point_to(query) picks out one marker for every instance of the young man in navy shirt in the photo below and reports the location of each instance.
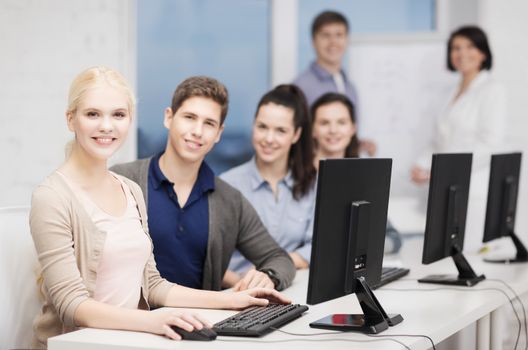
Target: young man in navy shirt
(196, 220)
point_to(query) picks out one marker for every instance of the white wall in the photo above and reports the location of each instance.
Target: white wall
(43, 45)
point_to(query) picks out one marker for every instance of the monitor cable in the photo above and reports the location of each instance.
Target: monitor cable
(388, 336)
(313, 340)
(520, 302)
(405, 335)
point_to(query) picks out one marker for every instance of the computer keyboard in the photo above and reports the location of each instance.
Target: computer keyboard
(389, 274)
(259, 320)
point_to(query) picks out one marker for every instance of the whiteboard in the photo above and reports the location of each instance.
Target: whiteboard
(403, 86)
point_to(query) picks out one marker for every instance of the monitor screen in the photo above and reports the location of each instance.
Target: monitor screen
(446, 216)
(502, 202)
(349, 234)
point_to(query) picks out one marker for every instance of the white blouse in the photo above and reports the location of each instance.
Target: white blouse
(474, 122)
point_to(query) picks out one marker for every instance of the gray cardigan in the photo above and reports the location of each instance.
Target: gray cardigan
(233, 224)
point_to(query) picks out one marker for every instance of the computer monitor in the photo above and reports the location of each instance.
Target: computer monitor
(348, 239)
(446, 217)
(502, 203)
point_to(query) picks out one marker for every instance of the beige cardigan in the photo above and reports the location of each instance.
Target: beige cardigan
(69, 247)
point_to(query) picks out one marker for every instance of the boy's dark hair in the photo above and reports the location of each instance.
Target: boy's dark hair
(478, 38)
(327, 17)
(201, 86)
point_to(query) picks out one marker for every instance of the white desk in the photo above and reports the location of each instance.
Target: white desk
(438, 314)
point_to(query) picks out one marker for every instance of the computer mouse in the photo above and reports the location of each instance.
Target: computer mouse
(204, 334)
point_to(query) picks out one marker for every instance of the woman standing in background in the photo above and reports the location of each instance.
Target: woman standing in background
(472, 121)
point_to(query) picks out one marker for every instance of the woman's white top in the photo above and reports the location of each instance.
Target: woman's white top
(474, 122)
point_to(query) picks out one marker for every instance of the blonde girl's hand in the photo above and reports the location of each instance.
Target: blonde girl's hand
(257, 297)
(160, 322)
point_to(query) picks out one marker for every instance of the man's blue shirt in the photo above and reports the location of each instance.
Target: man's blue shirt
(315, 81)
(179, 234)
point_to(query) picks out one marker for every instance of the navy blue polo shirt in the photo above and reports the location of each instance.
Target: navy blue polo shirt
(179, 234)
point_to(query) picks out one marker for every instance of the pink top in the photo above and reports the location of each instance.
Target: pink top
(125, 253)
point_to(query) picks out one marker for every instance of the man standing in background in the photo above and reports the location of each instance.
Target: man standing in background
(325, 74)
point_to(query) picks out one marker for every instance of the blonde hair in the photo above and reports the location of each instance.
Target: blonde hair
(95, 77)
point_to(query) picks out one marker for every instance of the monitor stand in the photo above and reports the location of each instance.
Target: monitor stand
(520, 257)
(373, 320)
(466, 276)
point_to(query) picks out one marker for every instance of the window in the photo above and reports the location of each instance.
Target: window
(227, 40)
